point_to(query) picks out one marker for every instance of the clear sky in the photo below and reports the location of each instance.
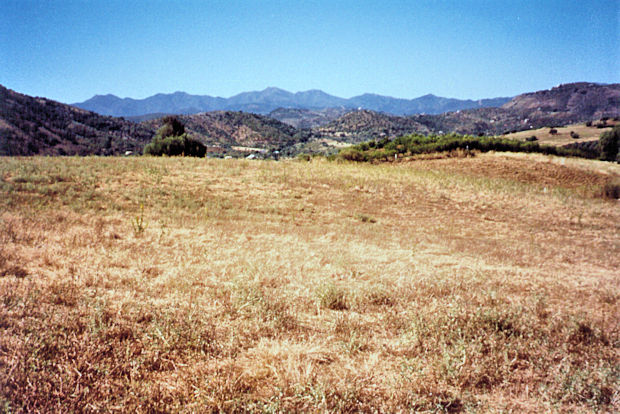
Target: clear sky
(70, 50)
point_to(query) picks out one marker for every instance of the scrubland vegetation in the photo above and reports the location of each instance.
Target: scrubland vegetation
(486, 283)
(426, 144)
(605, 148)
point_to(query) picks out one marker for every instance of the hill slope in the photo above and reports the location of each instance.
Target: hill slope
(30, 126)
(307, 118)
(227, 128)
(587, 100)
(562, 105)
(363, 125)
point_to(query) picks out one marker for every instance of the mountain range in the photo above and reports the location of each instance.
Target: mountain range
(39, 126)
(270, 99)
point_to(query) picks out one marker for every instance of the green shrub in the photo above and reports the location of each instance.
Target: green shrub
(353, 154)
(171, 146)
(609, 143)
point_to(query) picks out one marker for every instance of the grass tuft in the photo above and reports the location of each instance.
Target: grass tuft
(331, 296)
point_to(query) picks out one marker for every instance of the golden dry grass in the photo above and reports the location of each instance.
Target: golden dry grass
(187, 285)
(563, 136)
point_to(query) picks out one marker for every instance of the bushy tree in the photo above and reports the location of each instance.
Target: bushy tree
(172, 127)
(608, 144)
(171, 139)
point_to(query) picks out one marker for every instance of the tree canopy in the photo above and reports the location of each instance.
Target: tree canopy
(171, 139)
(609, 144)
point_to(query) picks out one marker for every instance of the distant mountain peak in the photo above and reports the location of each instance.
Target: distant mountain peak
(272, 90)
(312, 92)
(106, 96)
(368, 94)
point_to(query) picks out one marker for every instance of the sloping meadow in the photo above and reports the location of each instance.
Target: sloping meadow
(173, 284)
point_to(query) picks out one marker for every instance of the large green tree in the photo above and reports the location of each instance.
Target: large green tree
(172, 127)
(171, 139)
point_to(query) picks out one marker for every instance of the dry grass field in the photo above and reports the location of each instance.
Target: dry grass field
(563, 136)
(484, 284)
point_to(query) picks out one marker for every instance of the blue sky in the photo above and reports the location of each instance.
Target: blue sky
(70, 50)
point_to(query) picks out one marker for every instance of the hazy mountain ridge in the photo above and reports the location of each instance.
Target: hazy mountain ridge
(270, 99)
(174, 103)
